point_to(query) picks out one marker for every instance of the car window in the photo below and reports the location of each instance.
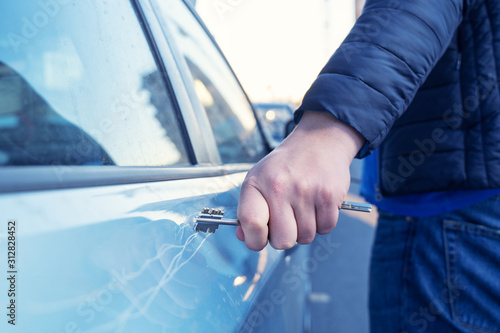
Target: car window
(79, 86)
(227, 107)
(274, 118)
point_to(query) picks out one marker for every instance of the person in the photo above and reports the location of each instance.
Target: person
(414, 89)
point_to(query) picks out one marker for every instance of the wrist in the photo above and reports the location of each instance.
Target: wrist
(324, 128)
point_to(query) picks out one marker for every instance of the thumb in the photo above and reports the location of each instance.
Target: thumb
(253, 213)
(239, 234)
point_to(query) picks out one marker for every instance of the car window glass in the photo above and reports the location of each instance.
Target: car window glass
(79, 86)
(274, 118)
(229, 112)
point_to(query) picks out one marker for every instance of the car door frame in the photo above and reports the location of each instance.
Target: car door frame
(188, 94)
(196, 131)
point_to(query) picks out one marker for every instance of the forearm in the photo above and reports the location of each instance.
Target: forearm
(374, 75)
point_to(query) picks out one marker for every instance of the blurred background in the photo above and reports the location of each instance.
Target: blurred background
(278, 47)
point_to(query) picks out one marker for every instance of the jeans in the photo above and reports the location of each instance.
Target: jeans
(439, 273)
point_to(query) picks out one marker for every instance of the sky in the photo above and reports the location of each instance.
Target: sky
(277, 47)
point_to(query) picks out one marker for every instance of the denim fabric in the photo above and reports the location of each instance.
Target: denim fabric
(439, 273)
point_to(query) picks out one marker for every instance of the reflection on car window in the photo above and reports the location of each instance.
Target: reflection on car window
(79, 86)
(274, 118)
(229, 112)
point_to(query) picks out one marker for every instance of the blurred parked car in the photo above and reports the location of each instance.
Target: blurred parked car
(120, 121)
(274, 118)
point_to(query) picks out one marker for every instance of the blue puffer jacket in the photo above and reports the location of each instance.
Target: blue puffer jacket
(419, 78)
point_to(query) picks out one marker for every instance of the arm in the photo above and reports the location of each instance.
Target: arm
(374, 75)
(295, 192)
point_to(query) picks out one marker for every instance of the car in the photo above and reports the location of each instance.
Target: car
(119, 122)
(275, 119)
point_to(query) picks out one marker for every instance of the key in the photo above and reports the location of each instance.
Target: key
(356, 206)
(210, 219)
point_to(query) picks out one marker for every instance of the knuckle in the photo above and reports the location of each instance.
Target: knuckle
(252, 221)
(325, 230)
(250, 181)
(256, 246)
(325, 227)
(306, 232)
(302, 187)
(251, 224)
(255, 234)
(306, 238)
(277, 184)
(282, 244)
(326, 196)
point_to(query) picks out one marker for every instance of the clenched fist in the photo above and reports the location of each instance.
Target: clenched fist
(296, 191)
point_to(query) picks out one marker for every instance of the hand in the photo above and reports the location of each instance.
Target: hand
(296, 191)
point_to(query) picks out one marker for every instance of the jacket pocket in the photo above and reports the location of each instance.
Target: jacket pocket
(473, 275)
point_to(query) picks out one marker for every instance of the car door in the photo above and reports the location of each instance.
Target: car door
(108, 150)
(280, 304)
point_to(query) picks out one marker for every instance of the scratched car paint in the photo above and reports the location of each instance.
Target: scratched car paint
(105, 239)
(128, 260)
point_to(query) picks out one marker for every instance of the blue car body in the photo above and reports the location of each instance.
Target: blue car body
(102, 180)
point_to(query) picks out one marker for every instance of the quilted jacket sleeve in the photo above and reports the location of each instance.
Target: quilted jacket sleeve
(372, 78)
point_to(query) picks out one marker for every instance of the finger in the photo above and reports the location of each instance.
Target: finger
(282, 226)
(239, 234)
(305, 216)
(327, 215)
(253, 213)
